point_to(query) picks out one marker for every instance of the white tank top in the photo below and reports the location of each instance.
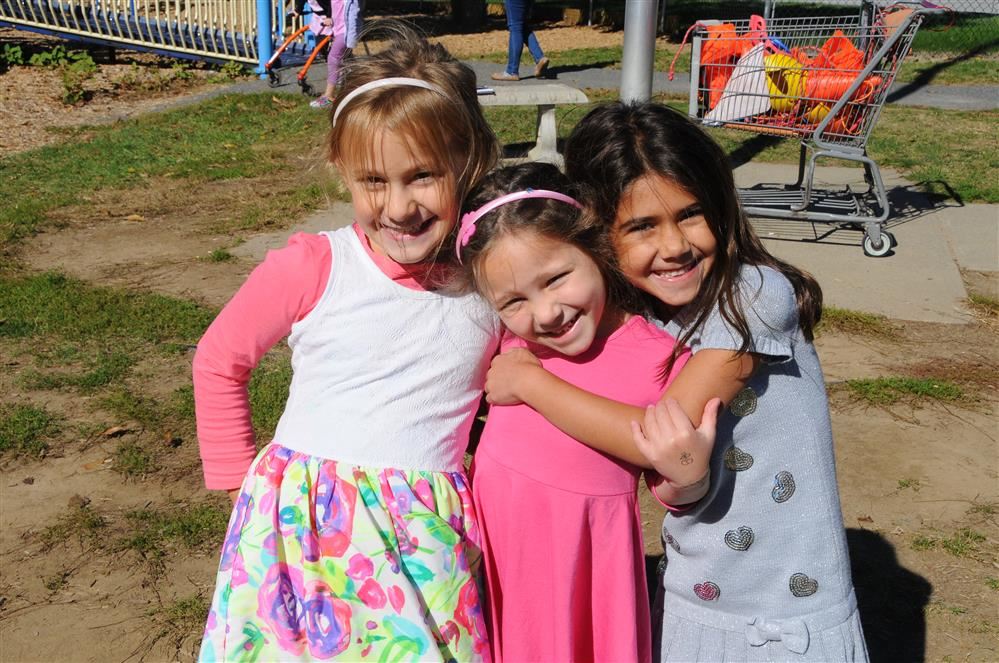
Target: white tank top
(385, 376)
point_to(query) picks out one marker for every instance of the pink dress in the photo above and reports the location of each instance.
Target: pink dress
(562, 537)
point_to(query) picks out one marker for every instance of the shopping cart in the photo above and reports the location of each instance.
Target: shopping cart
(823, 80)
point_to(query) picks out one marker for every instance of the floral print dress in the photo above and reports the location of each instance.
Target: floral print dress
(325, 560)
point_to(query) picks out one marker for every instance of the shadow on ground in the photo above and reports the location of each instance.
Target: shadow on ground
(907, 203)
(892, 599)
(926, 76)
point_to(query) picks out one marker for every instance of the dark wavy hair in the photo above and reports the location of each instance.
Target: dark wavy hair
(546, 217)
(616, 144)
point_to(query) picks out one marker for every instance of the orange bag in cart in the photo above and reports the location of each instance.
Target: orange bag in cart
(720, 50)
(839, 53)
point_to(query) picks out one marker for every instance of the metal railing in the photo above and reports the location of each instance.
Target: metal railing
(214, 30)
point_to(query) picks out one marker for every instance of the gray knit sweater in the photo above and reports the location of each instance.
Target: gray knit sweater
(768, 539)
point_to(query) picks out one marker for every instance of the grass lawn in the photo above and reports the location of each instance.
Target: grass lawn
(257, 137)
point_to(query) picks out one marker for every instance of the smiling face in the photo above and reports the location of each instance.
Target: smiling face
(663, 241)
(546, 292)
(403, 202)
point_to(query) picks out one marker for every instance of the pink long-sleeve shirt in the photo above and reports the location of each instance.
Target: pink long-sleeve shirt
(281, 291)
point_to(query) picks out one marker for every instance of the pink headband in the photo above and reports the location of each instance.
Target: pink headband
(466, 227)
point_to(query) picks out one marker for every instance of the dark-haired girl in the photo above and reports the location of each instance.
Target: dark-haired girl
(562, 537)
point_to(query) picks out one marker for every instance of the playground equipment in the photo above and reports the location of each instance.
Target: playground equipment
(272, 76)
(211, 30)
(822, 80)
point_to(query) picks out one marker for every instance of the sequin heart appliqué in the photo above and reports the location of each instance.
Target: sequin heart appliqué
(783, 487)
(738, 460)
(707, 591)
(801, 585)
(740, 538)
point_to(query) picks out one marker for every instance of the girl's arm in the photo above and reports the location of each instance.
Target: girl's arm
(605, 425)
(280, 291)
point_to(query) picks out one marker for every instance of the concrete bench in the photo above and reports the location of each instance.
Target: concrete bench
(545, 96)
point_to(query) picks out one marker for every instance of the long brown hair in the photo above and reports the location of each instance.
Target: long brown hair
(615, 145)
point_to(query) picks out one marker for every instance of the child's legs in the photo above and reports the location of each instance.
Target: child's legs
(337, 48)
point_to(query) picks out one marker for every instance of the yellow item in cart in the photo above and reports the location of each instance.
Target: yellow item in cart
(785, 81)
(817, 114)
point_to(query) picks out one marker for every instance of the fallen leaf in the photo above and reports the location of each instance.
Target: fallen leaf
(28, 480)
(135, 217)
(865, 519)
(116, 431)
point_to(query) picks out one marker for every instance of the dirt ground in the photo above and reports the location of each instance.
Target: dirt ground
(919, 480)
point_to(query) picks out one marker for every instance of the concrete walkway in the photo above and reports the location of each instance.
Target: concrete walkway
(920, 280)
(950, 97)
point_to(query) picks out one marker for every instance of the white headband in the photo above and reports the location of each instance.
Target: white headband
(384, 82)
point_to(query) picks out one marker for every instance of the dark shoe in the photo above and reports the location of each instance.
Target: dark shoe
(539, 69)
(503, 76)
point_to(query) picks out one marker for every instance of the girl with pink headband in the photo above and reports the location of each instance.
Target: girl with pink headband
(564, 557)
(353, 535)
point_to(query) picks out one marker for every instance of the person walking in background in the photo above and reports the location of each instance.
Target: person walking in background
(340, 19)
(518, 22)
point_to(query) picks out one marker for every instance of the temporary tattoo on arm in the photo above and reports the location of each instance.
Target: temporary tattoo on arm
(686, 458)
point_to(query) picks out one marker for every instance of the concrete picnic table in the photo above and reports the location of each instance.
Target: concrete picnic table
(545, 96)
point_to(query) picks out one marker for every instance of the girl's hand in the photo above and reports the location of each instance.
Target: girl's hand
(326, 22)
(504, 372)
(671, 444)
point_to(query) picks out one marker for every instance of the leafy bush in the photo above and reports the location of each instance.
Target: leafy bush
(11, 55)
(74, 74)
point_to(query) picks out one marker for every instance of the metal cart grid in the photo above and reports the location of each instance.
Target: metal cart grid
(823, 80)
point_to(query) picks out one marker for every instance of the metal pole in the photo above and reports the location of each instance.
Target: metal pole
(265, 40)
(639, 50)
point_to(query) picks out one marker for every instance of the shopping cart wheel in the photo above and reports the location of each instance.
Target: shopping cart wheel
(272, 78)
(881, 248)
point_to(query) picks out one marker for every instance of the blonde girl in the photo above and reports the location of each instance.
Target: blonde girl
(353, 534)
